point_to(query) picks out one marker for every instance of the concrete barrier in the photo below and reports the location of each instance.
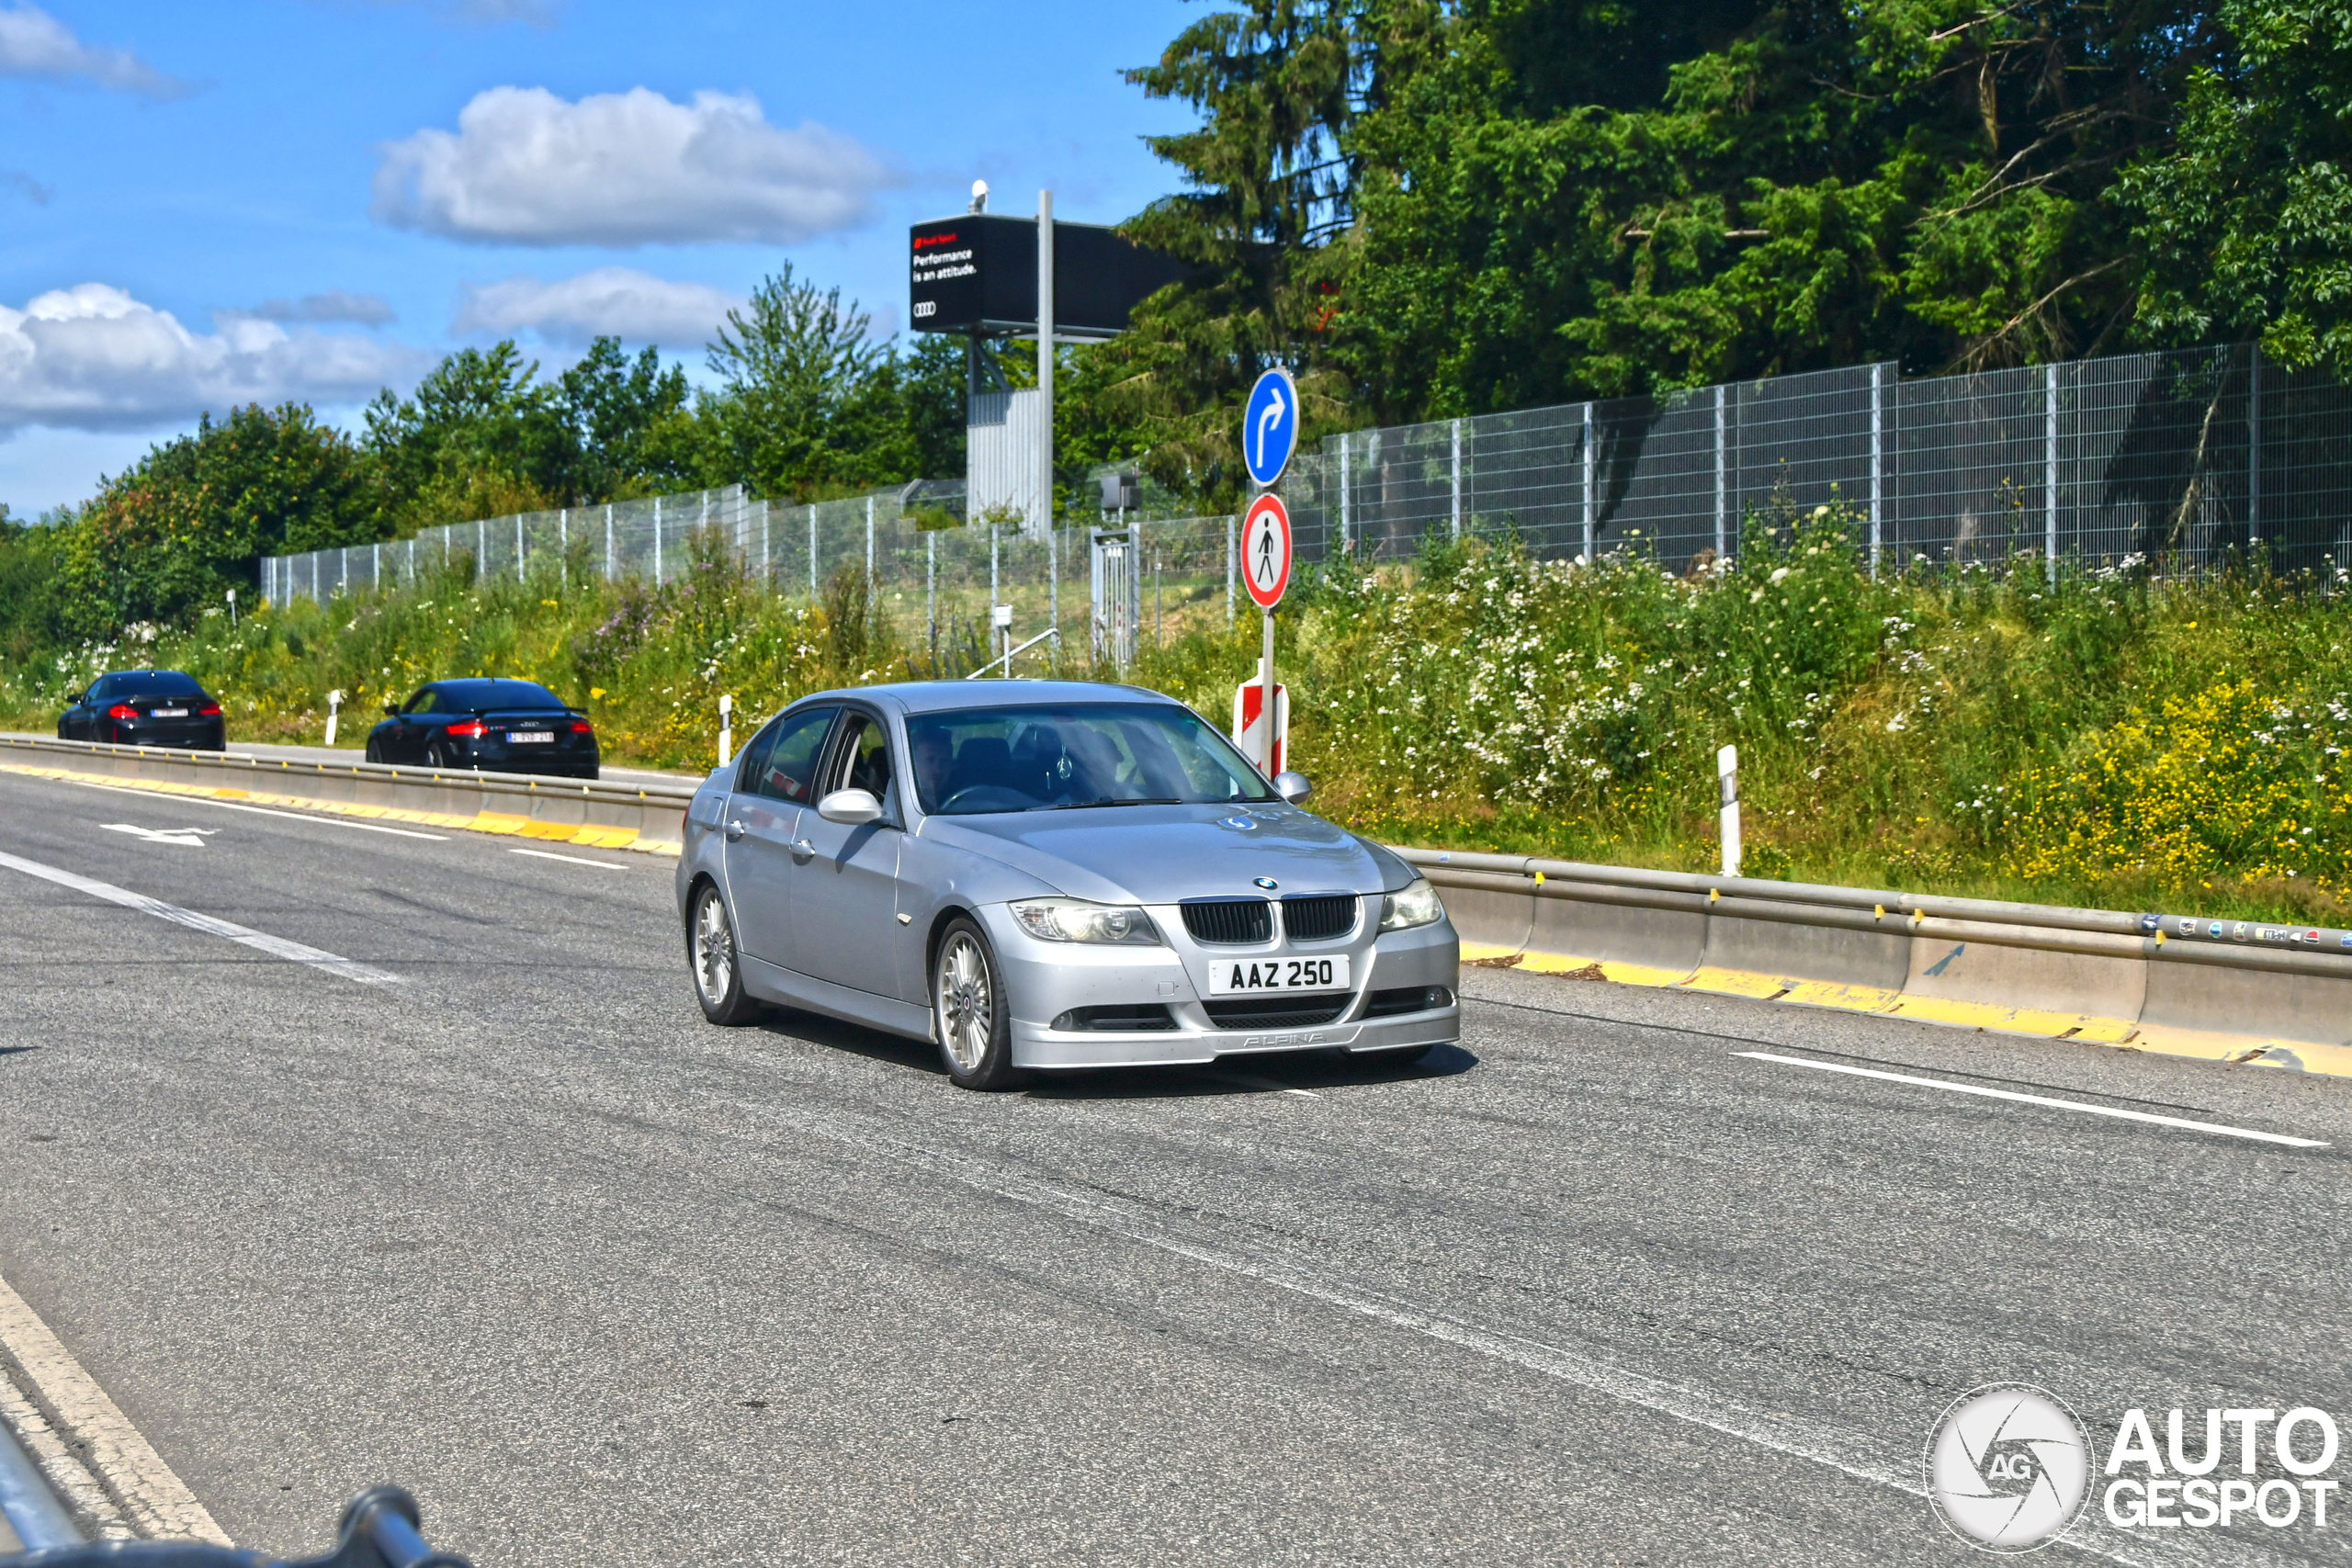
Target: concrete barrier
(649, 818)
(2275, 996)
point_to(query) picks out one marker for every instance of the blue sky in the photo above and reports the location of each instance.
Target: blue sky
(206, 204)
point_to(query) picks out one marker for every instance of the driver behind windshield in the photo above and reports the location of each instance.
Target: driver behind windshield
(1067, 756)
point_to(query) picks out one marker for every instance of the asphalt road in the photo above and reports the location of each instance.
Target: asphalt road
(522, 1233)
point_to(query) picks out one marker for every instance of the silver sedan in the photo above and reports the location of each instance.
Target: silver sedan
(1041, 874)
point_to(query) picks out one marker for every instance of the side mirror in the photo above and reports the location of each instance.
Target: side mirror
(392, 710)
(1292, 787)
(74, 699)
(850, 807)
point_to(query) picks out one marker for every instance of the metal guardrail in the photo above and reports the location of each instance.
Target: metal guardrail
(2108, 933)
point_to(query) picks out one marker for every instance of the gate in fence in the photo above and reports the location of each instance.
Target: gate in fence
(1118, 595)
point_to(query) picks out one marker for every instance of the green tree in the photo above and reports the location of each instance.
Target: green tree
(799, 405)
(191, 519)
(1267, 178)
(609, 407)
(2246, 225)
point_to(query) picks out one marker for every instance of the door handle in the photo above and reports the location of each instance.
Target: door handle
(803, 850)
(733, 831)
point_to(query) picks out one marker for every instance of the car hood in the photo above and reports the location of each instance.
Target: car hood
(1159, 854)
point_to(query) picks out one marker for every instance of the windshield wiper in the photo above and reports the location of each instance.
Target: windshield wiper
(1107, 800)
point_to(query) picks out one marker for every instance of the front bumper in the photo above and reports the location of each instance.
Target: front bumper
(1043, 980)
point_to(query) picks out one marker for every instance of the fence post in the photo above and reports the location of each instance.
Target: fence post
(869, 546)
(1722, 513)
(608, 541)
(1457, 481)
(412, 560)
(1878, 462)
(931, 592)
(1343, 494)
(1228, 573)
(812, 552)
(2049, 472)
(563, 548)
(2253, 445)
(657, 541)
(767, 559)
(481, 548)
(518, 547)
(1589, 478)
(994, 595)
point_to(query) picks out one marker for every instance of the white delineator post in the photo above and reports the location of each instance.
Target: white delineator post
(334, 703)
(725, 729)
(1727, 781)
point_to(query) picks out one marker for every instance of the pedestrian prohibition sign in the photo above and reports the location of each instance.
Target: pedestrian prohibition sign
(1265, 550)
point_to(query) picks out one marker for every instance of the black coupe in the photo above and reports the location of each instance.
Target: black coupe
(502, 726)
(146, 707)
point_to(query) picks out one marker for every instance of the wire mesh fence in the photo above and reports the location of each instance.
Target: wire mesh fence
(933, 580)
(2190, 455)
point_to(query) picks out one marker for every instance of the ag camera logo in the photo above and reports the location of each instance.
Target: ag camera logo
(2009, 1466)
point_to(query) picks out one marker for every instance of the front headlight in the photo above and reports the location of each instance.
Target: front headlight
(1076, 920)
(1415, 905)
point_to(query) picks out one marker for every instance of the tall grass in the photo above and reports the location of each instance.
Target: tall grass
(2119, 736)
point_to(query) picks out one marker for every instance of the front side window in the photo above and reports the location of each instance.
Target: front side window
(865, 757)
(422, 702)
(789, 766)
(1076, 754)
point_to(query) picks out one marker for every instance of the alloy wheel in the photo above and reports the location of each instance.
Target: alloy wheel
(967, 1001)
(714, 950)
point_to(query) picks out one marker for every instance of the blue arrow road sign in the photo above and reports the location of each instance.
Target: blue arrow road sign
(1269, 426)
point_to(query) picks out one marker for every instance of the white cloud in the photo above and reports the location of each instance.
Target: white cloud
(624, 169)
(634, 305)
(36, 45)
(92, 357)
(334, 305)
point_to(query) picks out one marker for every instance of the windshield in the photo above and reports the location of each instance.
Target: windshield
(1071, 755)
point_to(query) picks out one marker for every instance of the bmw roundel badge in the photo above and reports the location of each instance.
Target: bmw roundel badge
(1268, 883)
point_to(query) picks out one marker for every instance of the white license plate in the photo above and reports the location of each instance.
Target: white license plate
(1238, 976)
(530, 737)
(181, 712)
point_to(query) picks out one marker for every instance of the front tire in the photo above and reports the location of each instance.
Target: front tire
(718, 971)
(970, 1016)
(375, 750)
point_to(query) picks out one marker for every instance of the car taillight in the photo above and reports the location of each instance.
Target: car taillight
(471, 729)
(582, 727)
(212, 710)
(122, 710)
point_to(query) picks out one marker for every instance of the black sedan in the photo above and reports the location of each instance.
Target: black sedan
(146, 707)
(501, 727)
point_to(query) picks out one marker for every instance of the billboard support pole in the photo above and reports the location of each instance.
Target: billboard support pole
(1042, 526)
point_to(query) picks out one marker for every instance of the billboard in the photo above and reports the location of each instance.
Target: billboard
(978, 274)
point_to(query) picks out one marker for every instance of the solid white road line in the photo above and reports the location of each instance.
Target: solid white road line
(155, 1502)
(290, 816)
(260, 941)
(575, 860)
(2036, 1099)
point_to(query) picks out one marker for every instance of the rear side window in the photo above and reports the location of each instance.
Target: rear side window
(790, 763)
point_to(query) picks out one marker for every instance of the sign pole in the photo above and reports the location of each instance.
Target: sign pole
(1266, 697)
